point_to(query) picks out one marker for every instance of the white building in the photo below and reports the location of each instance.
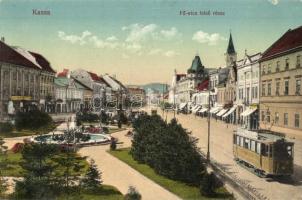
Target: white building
(247, 91)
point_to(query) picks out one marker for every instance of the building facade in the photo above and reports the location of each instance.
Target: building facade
(281, 76)
(247, 99)
(27, 81)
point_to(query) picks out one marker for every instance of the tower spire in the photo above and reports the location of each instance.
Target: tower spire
(231, 48)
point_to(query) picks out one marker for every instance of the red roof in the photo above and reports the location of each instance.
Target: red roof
(9, 55)
(63, 73)
(42, 62)
(94, 76)
(203, 85)
(290, 40)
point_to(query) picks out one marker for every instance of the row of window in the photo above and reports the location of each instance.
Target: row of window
(254, 93)
(268, 70)
(267, 91)
(267, 117)
(246, 76)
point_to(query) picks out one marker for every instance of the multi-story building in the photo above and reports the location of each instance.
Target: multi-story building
(187, 85)
(99, 87)
(172, 90)
(226, 90)
(247, 100)
(27, 81)
(281, 76)
(70, 94)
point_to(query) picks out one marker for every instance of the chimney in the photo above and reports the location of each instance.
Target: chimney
(2, 39)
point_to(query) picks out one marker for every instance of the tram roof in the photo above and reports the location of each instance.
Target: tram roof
(264, 136)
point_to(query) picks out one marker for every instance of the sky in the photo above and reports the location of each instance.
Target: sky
(144, 41)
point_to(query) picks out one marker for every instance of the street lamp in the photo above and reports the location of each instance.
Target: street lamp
(209, 123)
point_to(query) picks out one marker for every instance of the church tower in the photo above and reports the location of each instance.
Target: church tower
(231, 55)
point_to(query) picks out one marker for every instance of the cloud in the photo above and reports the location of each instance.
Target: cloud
(171, 33)
(99, 43)
(274, 2)
(87, 37)
(74, 38)
(210, 39)
(111, 39)
(139, 32)
(170, 53)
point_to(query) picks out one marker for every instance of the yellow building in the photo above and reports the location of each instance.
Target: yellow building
(280, 84)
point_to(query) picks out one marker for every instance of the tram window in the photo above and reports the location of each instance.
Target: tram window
(258, 147)
(253, 145)
(247, 143)
(264, 150)
(241, 141)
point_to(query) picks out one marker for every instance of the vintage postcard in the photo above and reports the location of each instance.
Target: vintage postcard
(152, 100)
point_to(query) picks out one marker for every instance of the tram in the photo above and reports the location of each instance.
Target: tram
(263, 152)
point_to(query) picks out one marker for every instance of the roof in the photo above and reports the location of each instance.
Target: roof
(203, 85)
(231, 48)
(20, 56)
(64, 82)
(63, 73)
(292, 39)
(196, 64)
(94, 76)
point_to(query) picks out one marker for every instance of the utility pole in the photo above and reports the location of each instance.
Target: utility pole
(209, 123)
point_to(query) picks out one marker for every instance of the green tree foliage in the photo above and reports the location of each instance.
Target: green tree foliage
(133, 194)
(167, 148)
(6, 127)
(33, 120)
(104, 118)
(39, 182)
(70, 167)
(88, 117)
(209, 184)
(3, 165)
(92, 179)
(123, 118)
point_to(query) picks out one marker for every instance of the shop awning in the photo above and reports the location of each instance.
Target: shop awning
(203, 110)
(196, 108)
(215, 110)
(248, 111)
(222, 112)
(230, 111)
(182, 106)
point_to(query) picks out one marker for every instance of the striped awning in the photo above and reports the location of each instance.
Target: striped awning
(222, 112)
(230, 111)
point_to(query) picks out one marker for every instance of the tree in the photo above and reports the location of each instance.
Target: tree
(133, 194)
(33, 120)
(71, 166)
(38, 182)
(167, 148)
(3, 165)
(92, 179)
(104, 118)
(209, 184)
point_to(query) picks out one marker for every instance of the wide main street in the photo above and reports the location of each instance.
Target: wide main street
(221, 151)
